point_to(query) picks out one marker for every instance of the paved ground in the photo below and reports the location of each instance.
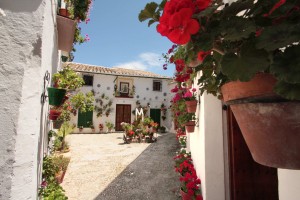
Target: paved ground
(104, 168)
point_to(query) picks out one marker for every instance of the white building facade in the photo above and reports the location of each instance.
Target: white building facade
(127, 89)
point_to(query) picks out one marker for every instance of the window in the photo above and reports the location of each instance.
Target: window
(85, 119)
(88, 80)
(156, 85)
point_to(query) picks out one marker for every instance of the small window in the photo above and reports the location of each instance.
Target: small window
(156, 85)
(88, 80)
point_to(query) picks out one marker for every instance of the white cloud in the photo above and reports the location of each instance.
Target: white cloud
(132, 65)
(152, 59)
(145, 61)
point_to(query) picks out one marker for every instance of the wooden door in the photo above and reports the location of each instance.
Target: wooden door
(248, 179)
(123, 114)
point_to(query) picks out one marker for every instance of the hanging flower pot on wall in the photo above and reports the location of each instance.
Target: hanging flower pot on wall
(54, 114)
(56, 96)
(269, 124)
(191, 106)
(190, 126)
(66, 31)
(64, 12)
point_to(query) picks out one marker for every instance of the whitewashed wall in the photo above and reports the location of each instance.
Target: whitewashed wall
(206, 146)
(155, 98)
(289, 184)
(27, 51)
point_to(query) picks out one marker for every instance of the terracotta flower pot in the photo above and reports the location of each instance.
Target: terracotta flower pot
(191, 106)
(64, 12)
(66, 31)
(54, 114)
(186, 196)
(270, 125)
(190, 126)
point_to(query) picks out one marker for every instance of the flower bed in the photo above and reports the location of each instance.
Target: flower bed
(190, 183)
(140, 131)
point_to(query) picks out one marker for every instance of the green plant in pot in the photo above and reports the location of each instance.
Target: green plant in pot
(243, 45)
(110, 126)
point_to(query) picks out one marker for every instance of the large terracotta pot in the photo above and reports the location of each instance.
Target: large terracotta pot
(270, 125)
(66, 31)
(191, 106)
(190, 126)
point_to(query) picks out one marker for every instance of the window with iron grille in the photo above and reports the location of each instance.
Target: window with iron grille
(156, 85)
(88, 80)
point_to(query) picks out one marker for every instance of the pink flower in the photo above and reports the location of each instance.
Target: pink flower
(87, 38)
(188, 94)
(175, 89)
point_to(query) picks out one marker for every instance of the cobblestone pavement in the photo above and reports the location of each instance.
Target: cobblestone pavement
(102, 167)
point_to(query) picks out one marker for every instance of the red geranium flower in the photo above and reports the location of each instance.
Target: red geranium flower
(202, 54)
(202, 4)
(182, 26)
(179, 65)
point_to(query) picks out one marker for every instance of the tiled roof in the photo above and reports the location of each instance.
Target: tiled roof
(112, 71)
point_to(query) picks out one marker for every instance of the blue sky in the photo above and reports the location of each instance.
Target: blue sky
(118, 39)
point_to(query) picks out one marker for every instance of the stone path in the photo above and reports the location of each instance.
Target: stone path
(104, 168)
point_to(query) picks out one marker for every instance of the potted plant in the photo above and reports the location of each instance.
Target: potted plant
(80, 128)
(262, 47)
(62, 164)
(190, 100)
(100, 127)
(54, 113)
(110, 126)
(92, 127)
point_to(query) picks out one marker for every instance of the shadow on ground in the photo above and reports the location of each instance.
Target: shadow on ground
(150, 176)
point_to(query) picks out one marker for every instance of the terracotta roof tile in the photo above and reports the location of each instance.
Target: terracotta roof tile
(112, 71)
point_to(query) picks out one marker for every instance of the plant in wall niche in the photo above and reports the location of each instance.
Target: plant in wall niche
(163, 110)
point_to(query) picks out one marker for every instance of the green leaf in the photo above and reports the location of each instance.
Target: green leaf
(151, 21)
(237, 28)
(278, 36)
(286, 65)
(244, 66)
(287, 90)
(148, 12)
(237, 7)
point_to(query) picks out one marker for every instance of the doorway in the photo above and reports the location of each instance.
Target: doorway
(123, 114)
(248, 180)
(155, 115)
